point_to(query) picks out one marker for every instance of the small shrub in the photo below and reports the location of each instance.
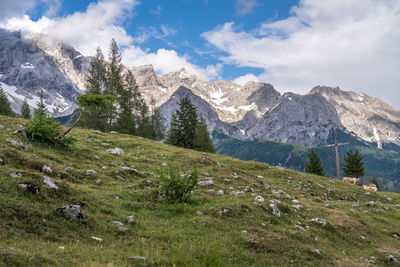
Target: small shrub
(177, 187)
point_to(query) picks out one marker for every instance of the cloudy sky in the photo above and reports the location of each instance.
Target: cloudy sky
(292, 44)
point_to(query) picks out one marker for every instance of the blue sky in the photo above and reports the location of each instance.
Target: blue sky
(292, 44)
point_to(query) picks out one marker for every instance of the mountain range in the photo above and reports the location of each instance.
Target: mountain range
(254, 111)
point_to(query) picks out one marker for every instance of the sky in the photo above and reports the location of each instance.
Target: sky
(292, 44)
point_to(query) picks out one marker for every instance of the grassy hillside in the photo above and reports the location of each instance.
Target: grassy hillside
(210, 230)
(384, 165)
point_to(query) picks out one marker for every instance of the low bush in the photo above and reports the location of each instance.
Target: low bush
(177, 187)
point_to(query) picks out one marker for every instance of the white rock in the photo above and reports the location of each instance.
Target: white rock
(15, 175)
(47, 169)
(316, 251)
(318, 221)
(275, 210)
(130, 219)
(61, 247)
(117, 223)
(164, 164)
(68, 169)
(115, 151)
(371, 203)
(137, 258)
(295, 201)
(206, 183)
(238, 193)
(91, 173)
(96, 238)
(220, 192)
(49, 183)
(96, 156)
(99, 181)
(259, 199)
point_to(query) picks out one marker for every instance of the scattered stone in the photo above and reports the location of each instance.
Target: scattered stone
(207, 182)
(120, 178)
(105, 144)
(7, 251)
(91, 173)
(249, 189)
(61, 247)
(244, 231)
(263, 224)
(104, 167)
(137, 258)
(318, 221)
(332, 182)
(199, 213)
(99, 181)
(385, 208)
(316, 251)
(68, 169)
(96, 238)
(72, 212)
(300, 227)
(21, 131)
(357, 204)
(96, 156)
(130, 219)
(16, 143)
(231, 188)
(259, 199)
(117, 198)
(1, 161)
(328, 205)
(389, 199)
(47, 169)
(371, 203)
(164, 164)
(113, 132)
(295, 201)
(392, 259)
(2, 127)
(252, 241)
(297, 207)
(220, 192)
(368, 193)
(115, 151)
(49, 183)
(15, 175)
(238, 193)
(382, 250)
(130, 170)
(395, 235)
(120, 225)
(362, 237)
(223, 210)
(235, 175)
(366, 260)
(23, 186)
(267, 186)
(275, 210)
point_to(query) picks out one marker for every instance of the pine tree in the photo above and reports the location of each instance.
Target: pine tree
(187, 121)
(173, 131)
(41, 110)
(128, 104)
(314, 165)
(157, 125)
(202, 140)
(5, 108)
(25, 110)
(114, 83)
(354, 166)
(95, 78)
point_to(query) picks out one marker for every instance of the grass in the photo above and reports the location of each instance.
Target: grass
(178, 234)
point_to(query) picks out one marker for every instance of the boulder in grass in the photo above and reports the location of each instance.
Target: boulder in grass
(115, 151)
(91, 173)
(275, 210)
(320, 221)
(49, 183)
(47, 169)
(72, 212)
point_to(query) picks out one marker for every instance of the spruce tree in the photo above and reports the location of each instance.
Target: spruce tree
(202, 140)
(187, 121)
(95, 78)
(157, 130)
(127, 100)
(25, 110)
(314, 165)
(5, 108)
(41, 110)
(354, 166)
(173, 131)
(114, 83)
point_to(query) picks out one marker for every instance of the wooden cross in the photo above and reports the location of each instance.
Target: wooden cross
(336, 145)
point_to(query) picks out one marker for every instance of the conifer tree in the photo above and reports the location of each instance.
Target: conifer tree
(114, 82)
(128, 105)
(173, 131)
(5, 108)
(354, 166)
(202, 140)
(41, 110)
(157, 125)
(25, 110)
(95, 78)
(187, 121)
(314, 165)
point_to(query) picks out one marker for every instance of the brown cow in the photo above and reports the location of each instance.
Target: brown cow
(370, 187)
(351, 180)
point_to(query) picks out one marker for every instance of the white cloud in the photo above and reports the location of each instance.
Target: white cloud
(349, 43)
(13, 8)
(102, 21)
(242, 80)
(244, 7)
(53, 7)
(156, 11)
